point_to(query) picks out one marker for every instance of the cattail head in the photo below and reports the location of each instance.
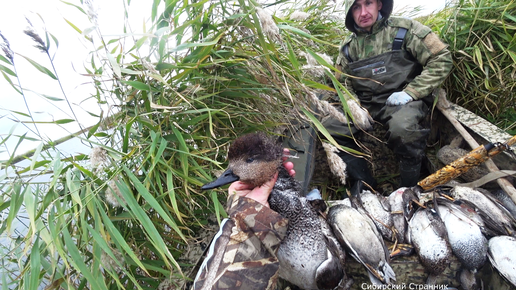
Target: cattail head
(327, 109)
(313, 67)
(40, 44)
(98, 157)
(269, 27)
(316, 71)
(362, 118)
(6, 47)
(113, 194)
(312, 61)
(337, 165)
(299, 16)
(91, 11)
(109, 263)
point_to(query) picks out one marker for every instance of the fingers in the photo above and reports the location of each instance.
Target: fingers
(286, 154)
(259, 193)
(288, 165)
(270, 184)
(239, 186)
(290, 168)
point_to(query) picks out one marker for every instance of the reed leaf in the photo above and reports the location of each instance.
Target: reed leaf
(149, 228)
(40, 68)
(119, 240)
(76, 259)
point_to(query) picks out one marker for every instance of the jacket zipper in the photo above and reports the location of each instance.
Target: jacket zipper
(369, 65)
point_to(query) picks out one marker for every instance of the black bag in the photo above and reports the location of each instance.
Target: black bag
(301, 140)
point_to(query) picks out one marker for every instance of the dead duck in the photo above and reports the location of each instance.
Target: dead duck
(466, 240)
(498, 219)
(503, 257)
(378, 208)
(503, 198)
(427, 233)
(357, 232)
(389, 214)
(304, 256)
(401, 211)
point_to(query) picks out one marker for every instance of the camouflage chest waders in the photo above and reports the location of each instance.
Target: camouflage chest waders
(407, 127)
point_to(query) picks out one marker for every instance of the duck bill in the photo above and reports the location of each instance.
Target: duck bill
(227, 177)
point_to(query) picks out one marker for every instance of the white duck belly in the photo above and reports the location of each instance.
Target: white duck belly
(502, 254)
(303, 253)
(309, 255)
(465, 237)
(358, 233)
(428, 235)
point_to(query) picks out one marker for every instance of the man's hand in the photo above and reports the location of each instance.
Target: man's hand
(288, 165)
(398, 99)
(261, 193)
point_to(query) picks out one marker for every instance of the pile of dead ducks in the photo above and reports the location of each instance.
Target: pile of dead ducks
(472, 225)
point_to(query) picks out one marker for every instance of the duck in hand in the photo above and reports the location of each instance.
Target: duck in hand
(307, 257)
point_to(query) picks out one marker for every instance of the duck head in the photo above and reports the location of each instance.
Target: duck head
(253, 159)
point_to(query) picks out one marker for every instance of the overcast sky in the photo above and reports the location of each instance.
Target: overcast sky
(69, 59)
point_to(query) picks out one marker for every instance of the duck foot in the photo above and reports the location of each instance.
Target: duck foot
(402, 250)
(345, 284)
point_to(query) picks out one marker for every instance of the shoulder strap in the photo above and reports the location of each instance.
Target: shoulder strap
(398, 39)
(345, 50)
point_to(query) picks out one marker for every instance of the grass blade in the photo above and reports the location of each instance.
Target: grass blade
(76, 259)
(40, 67)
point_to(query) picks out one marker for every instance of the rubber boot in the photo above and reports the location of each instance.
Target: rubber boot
(358, 172)
(409, 172)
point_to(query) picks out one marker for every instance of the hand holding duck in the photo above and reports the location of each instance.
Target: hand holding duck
(261, 193)
(303, 256)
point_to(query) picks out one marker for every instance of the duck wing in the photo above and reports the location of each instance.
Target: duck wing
(377, 208)
(466, 239)
(492, 209)
(358, 233)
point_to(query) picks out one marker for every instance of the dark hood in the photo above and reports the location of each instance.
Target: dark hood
(387, 6)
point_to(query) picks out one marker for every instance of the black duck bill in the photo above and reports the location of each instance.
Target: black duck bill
(227, 177)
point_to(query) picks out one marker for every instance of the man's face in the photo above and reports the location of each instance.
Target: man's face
(365, 13)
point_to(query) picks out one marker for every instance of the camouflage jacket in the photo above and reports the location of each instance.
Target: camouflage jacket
(424, 45)
(242, 254)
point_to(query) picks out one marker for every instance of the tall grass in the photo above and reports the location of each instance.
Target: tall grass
(121, 216)
(482, 37)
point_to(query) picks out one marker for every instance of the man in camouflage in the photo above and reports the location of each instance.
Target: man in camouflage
(398, 62)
